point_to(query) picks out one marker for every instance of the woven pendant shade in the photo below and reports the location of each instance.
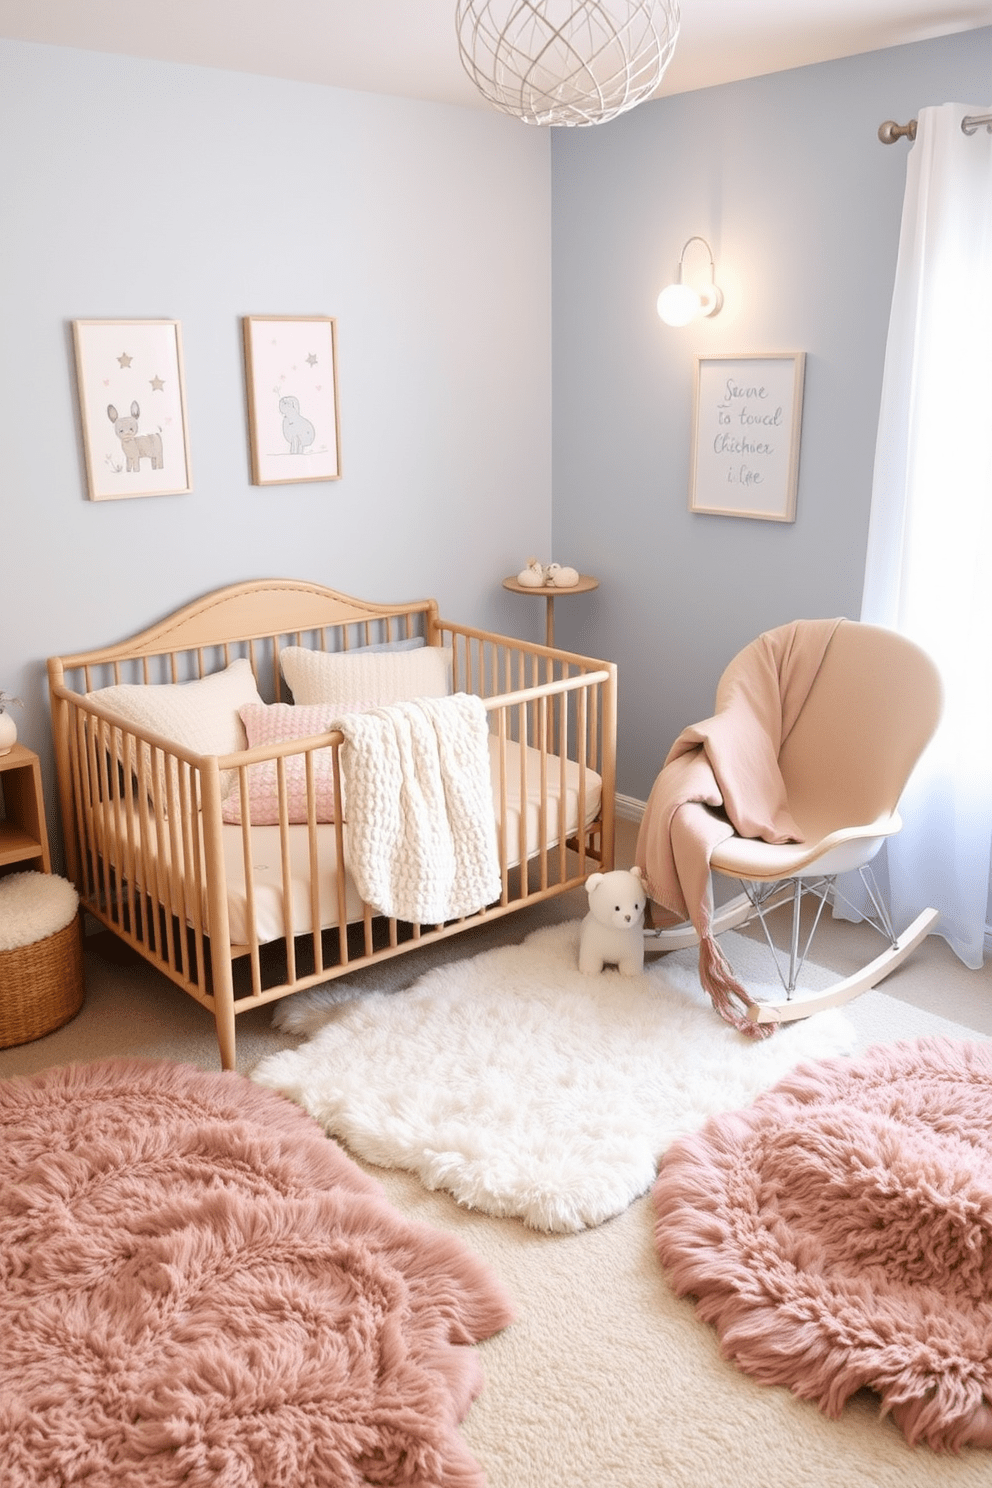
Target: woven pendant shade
(567, 62)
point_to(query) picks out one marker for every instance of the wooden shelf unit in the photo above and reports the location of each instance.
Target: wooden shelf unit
(23, 833)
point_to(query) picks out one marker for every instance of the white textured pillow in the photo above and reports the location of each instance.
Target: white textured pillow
(203, 716)
(350, 679)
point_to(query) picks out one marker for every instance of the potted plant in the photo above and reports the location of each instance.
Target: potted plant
(8, 728)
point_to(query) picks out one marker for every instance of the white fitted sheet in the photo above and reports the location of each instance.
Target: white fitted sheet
(267, 862)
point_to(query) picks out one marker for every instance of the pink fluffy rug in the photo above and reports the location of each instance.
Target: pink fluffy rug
(838, 1235)
(197, 1287)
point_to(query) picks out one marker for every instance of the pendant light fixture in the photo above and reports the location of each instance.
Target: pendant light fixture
(569, 62)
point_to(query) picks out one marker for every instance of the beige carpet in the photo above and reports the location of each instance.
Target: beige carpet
(605, 1380)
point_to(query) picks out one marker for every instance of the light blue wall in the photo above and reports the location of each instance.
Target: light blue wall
(138, 189)
(787, 179)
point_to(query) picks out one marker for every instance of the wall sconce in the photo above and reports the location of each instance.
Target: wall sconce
(681, 302)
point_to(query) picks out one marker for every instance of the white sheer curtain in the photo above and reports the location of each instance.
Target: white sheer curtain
(929, 564)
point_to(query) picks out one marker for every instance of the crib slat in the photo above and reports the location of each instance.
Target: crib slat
(313, 861)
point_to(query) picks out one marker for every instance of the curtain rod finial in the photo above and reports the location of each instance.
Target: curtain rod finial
(890, 131)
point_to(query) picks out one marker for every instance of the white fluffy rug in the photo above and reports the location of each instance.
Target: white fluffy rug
(524, 1087)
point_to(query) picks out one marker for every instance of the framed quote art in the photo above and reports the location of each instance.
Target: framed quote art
(292, 384)
(132, 405)
(747, 419)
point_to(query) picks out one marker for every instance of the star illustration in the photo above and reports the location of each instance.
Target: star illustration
(312, 360)
(157, 384)
(124, 359)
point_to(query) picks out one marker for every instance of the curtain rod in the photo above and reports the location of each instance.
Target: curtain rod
(890, 131)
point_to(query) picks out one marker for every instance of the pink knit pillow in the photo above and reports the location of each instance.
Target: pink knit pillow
(274, 723)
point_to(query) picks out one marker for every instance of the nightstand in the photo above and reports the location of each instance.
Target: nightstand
(23, 833)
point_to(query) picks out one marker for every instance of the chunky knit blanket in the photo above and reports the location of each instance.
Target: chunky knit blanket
(419, 807)
(721, 777)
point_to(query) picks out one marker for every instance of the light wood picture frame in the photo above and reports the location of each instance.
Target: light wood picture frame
(746, 428)
(291, 377)
(132, 406)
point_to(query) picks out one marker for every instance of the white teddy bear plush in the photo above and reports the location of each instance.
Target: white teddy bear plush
(613, 930)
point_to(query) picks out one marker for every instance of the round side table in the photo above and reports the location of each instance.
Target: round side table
(551, 593)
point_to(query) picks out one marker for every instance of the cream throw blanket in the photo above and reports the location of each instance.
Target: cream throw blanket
(418, 802)
(721, 777)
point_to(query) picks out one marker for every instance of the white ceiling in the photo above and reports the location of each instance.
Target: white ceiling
(408, 47)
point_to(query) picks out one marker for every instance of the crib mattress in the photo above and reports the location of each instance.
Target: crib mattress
(518, 819)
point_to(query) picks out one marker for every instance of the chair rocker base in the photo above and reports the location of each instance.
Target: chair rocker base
(852, 986)
(741, 909)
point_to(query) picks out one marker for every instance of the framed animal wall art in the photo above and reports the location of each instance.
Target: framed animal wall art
(292, 384)
(132, 403)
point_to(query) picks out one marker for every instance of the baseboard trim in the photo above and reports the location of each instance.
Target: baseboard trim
(629, 808)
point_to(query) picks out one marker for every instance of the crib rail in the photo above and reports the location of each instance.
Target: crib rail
(161, 655)
(154, 861)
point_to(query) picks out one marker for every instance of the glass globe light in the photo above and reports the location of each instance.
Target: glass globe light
(678, 304)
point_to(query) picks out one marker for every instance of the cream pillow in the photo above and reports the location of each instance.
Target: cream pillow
(353, 679)
(203, 716)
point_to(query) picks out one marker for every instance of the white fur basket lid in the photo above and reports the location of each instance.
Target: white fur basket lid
(42, 982)
(34, 906)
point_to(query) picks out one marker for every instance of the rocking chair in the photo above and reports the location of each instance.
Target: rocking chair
(873, 707)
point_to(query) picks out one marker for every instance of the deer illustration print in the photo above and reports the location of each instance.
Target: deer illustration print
(136, 447)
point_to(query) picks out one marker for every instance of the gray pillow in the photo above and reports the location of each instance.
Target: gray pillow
(409, 645)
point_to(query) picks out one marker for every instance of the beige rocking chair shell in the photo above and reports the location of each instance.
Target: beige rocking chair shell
(872, 709)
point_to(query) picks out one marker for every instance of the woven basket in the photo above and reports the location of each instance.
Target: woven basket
(41, 985)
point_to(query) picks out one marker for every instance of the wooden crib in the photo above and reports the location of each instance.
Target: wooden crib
(241, 915)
